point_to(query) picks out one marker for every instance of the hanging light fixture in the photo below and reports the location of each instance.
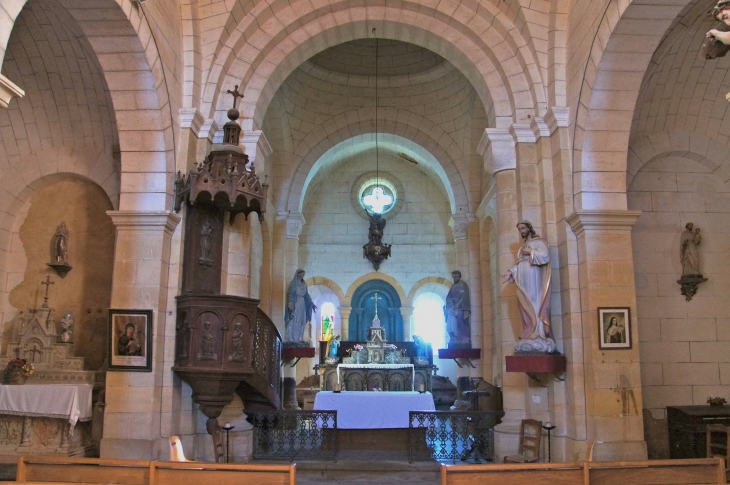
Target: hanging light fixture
(375, 251)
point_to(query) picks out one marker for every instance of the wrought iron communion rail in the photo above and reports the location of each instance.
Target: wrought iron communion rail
(448, 435)
(294, 435)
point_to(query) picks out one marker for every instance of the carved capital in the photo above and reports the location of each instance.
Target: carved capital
(557, 117)
(294, 224)
(191, 118)
(523, 133)
(131, 220)
(208, 130)
(459, 226)
(497, 146)
(605, 220)
(8, 91)
(255, 144)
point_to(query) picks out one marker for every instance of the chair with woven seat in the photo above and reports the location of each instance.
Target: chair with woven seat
(718, 448)
(529, 449)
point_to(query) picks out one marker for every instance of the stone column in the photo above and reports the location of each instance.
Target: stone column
(406, 312)
(294, 224)
(289, 396)
(497, 146)
(258, 149)
(612, 377)
(345, 322)
(133, 415)
(279, 278)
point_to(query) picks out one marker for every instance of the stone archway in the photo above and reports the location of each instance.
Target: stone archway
(363, 311)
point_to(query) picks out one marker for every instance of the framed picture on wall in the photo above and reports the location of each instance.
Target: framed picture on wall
(130, 340)
(614, 328)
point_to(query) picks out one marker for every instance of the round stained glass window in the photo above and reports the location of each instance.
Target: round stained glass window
(377, 199)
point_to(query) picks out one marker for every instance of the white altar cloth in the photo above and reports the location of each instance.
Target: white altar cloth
(373, 410)
(63, 401)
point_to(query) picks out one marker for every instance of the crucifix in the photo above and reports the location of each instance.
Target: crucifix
(48, 283)
(376, 319)
(34, 352)
(235, 95)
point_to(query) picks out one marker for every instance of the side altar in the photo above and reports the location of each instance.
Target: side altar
(376, 364)
(61, 408)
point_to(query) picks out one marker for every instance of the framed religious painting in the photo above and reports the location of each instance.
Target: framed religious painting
(130, 340)
(614, 328)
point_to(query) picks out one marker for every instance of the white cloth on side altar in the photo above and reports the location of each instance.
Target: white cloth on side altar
(63, 401)
(373, 410)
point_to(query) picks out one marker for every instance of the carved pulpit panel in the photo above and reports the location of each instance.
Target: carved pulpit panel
(203, 250)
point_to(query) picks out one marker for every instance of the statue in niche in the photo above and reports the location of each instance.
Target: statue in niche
(237, 341)
(67, 321)
(59, 251)
(299, 309)
(127, 344)
(689, 257)
(688, 254)
(532, 275)
(458, 313)
(206, 344)
(60, 245)
(206, 235)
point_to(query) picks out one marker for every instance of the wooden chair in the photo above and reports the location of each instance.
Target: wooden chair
(529, 450)
(719, 449)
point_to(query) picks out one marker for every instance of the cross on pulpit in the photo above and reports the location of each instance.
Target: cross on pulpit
(48, 283)
(235, 95)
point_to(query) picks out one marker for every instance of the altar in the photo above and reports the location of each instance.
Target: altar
(376, 365)
(60, 408)
(373, 410)
(384, 377)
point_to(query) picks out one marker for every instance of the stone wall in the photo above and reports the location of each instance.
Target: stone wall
(86, 289)
(684, 344)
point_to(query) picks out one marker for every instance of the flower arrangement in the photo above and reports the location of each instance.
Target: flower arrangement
(357, 347)
(716, 401)
(17, 370)
(391, 347)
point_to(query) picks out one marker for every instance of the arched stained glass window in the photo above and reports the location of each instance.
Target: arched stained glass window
(328, 320)
(428, 320)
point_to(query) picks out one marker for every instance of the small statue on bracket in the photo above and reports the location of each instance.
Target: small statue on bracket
(690, 259)
(67, 321)
(59, 251)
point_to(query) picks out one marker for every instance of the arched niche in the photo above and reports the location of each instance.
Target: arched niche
(363, 311)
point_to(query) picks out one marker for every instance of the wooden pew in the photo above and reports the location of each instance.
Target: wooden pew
(92, 471)
(528, 474)
(655, 472)
(82, 470)
(197, 473)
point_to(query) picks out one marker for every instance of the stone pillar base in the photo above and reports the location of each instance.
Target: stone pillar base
(129, 449)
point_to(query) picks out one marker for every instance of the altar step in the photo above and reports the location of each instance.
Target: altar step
(361, 467)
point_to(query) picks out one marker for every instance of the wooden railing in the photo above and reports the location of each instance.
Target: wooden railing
(57, 470)
(656, 472)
